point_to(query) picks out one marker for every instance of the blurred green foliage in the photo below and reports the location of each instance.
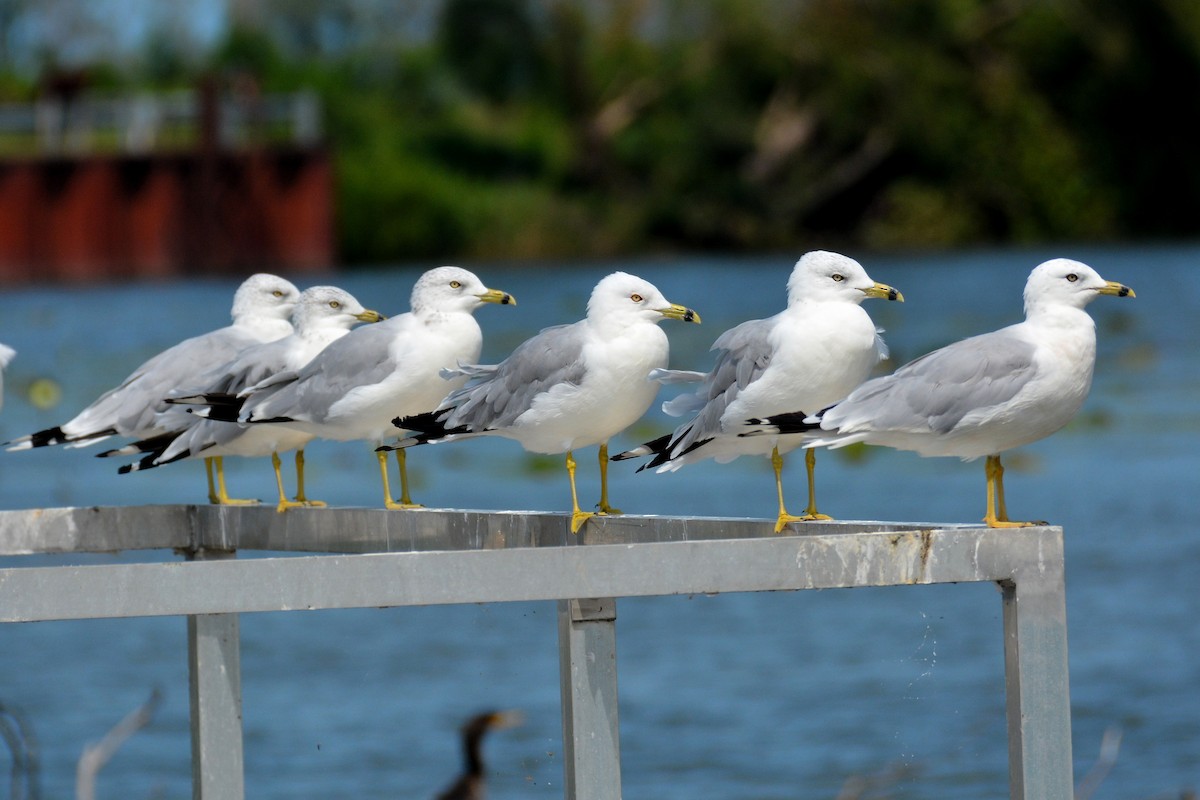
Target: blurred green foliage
(515, 128)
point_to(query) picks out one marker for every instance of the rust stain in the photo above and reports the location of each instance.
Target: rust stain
(926, 547)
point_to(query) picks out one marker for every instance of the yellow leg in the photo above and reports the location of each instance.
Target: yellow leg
(604, 507)
(284, 503)
(388, 502)
(997, 513)
(223, 497)
(578, 517)
(784, 516)
(810, 464)
(212, 487)
(301, 497)
(1001, 508)
(402, 463)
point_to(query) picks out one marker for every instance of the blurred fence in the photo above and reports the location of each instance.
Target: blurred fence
(97, 188)
(142, 123)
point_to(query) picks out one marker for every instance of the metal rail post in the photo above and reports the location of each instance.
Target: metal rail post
(215, 689)
(1036, 682)
(587, 642)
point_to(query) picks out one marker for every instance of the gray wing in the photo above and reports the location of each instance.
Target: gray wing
(360, 358)
(551, 358)
(251, 366)
(131, 407)
(744, 352)
(935, 392)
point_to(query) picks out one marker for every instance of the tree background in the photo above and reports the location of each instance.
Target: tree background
(569, 128)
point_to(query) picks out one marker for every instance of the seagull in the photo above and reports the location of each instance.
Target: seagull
(810, 355)
(6, 355)
(570, 386)
(322, 315)
(357, 384)
(982, 395)
(261, 308)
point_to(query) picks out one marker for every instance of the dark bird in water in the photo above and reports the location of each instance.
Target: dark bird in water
(470, 785)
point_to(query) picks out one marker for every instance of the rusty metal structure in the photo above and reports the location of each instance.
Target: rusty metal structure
(204, 182)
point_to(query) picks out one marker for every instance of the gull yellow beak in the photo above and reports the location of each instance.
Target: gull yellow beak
(370, 316)
(675, 311)
(1116, 289)
(885, 292)
(497, 296)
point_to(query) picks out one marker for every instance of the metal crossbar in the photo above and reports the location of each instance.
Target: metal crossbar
(374, 558)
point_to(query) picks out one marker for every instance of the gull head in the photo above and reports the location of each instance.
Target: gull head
(823, 276)
(265, 296)
(330, 307)
(1064, 282)
(627, 299)
(447, 289)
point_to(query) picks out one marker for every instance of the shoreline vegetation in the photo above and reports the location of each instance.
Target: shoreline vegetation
(561, 129)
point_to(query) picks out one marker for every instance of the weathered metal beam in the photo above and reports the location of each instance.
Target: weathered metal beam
(215, 699)
(1036, 678)
(587, 646)
(361, 530)
(631, 568)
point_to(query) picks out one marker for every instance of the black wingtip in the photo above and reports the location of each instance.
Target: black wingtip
(651, 447)
(55, 436)
(790, 422)
(427, 428)
(425, 422)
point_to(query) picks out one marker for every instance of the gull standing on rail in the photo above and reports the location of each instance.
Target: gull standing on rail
(569, 386)
(322, 315)
(261, 308)
(355, 387)
(810, 355)
(982, 395)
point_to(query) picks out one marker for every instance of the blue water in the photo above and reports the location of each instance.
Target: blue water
(782, 695)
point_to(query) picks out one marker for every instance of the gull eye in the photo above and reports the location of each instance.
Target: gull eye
(455, 285)
(838, 277)
(1072, 278)
(635, 297)
(334, 304)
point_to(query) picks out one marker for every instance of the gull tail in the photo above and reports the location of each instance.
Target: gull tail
(56, 436)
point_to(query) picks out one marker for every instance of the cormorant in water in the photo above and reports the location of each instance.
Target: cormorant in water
(470, 785)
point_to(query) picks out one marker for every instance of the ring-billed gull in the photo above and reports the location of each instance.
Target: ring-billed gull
(322, 315)
(569, 386)
(261, 308)
(6, 355)
(983, 395)
(357, 384)
(809, 355)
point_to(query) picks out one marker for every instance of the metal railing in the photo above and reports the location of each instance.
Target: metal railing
(374, 558)
(141, 123)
